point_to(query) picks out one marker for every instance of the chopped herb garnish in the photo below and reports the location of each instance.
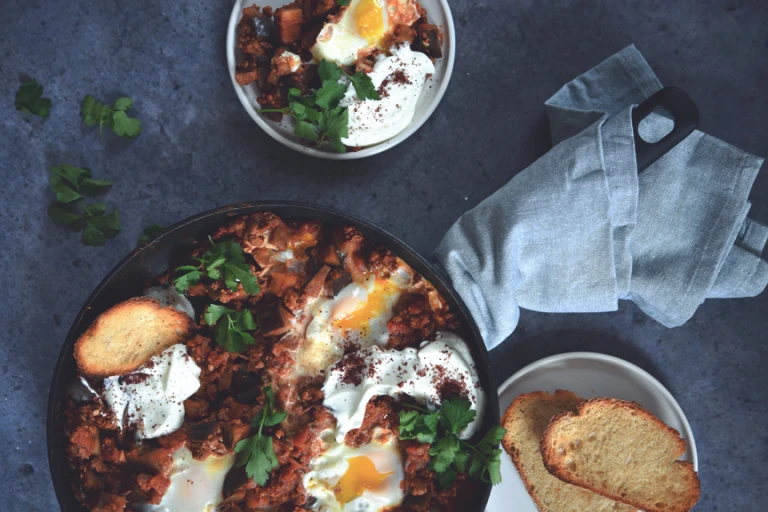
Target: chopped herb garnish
(449, 454)
(319, 117)
(230, 326)
(256, 453)
(363, 86)
(114, 117)
(224, 260)
(150, 232)
(71, 184)
(29, 98)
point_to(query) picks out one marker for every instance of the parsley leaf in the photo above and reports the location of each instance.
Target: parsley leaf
(450, 455)
(488, 448)
(64, 215)
(446, 478)
(224, 260)
(71, 184)
(363, 86)
(443, 452)
(268, 415)
(29, 99)
(256, 453)
(328, 71)
(93, 111)
(98, 226)
(334, 125)
(305, 130)
(343, 3)
(329, 95)
(150, 232)
(456, 414)
(190, 275)
(319, 117)
(230, 326)
(418, 426)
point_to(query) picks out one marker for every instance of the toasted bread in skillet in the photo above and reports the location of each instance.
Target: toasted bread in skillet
(525, 421)
(619, 450)
(125, 336)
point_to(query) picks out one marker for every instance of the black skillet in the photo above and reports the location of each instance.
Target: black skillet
(127, 279)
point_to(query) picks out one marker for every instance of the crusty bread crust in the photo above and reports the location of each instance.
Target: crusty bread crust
(677, 490)
(525, 421)
(125, 336)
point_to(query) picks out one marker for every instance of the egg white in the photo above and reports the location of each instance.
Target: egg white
(196, 485)
(341, 41)
(328, 469)
(328, 334)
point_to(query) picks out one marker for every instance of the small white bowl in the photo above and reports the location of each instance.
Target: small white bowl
(438, 14)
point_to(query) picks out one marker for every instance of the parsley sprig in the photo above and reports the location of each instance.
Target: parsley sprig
(230, 326)
(318, 115)
(29, 98)
(71, 184)
(449, 454)
(93, 111)
(256, 453)
(224, 260)
(150, 232)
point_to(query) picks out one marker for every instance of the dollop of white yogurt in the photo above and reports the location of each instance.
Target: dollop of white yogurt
(417, 373)
(152, 397)
(399, 78)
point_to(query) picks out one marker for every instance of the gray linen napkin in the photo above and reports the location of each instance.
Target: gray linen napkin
(579, 229)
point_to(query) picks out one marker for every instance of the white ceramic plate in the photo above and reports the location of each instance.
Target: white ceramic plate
(438, 14)
(589, 375)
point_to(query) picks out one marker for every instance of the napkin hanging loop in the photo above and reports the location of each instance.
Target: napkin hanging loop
(684, 114)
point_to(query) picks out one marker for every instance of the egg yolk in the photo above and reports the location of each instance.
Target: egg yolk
(361, 476)
(369, 20)
(375, 306)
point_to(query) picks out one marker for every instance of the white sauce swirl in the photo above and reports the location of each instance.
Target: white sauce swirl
(417, 373)
(152, 397)
(374, 121)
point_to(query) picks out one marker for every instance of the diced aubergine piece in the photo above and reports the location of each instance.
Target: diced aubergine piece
(428, 41)
(288, 22)
(263, 26)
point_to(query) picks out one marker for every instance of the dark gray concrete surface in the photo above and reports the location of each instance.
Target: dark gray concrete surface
(199, 149)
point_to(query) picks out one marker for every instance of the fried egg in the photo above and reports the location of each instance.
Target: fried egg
(196, 485)
(346, 479)
(364, 25)
(356, 317)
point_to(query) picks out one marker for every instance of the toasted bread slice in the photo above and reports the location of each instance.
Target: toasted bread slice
(125, 336)
(620, 450)
(525, 421)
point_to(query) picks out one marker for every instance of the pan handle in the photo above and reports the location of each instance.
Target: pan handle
(684, 114)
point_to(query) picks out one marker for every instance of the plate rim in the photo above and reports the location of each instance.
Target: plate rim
(450, 43)
(623, 363)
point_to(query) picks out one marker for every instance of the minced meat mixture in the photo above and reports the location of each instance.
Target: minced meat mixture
(265, 35)
(112, 470)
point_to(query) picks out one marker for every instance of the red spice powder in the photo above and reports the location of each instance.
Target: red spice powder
(133, 378)
(352, 367)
